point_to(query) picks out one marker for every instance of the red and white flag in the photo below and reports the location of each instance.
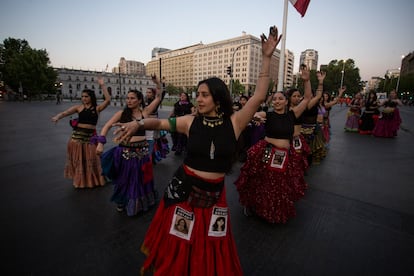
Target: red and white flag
(300, 5)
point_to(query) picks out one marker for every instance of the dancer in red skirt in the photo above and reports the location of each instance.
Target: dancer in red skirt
(265, 184)
(300, 149)
(184, 237)
(390, 120)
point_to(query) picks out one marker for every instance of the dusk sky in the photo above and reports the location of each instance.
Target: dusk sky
(90, 34)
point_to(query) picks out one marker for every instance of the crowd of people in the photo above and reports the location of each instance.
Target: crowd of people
(190, 232)
(371, 117)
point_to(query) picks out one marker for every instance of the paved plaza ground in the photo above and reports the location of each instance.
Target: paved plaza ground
(357, 217)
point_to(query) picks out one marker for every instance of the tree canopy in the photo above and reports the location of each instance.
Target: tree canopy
(351, 78)
(26, 68)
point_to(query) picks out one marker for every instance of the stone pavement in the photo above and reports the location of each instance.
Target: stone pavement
(355, 219)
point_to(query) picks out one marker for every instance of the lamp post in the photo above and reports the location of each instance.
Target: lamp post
(398, 80)
(399, 75)
(232, 65)
(120, 88)
(342, 72)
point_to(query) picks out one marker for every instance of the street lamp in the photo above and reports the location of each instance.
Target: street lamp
(230, 72)
(398, 81)
(232, 65)
(399, 75)
(342, 72)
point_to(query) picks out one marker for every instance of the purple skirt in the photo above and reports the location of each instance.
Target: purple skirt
(132, 177)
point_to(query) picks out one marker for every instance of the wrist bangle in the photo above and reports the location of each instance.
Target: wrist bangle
(98, 139)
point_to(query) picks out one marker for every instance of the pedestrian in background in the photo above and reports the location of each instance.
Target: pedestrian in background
(182, 107)
(82, 164)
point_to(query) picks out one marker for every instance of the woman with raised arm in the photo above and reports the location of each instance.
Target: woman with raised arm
(310, 128)
(265, 185)
(196, 191)
(299, 147)
(82, 164)
(129, 164)
(328, 102)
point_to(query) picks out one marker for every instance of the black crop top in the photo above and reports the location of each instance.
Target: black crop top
(309, 116)
(390, 103)
(200, 153)
(88, 116)
(280, 126)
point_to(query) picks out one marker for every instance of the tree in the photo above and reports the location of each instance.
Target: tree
(22, 66)
(351, 77)
(238, 88)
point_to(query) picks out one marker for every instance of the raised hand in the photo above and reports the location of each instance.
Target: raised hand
(304, 72)
(269, 44)
(101, 81)
(321, 76)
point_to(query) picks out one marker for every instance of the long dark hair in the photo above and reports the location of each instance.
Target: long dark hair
(92, 95)
(370, 100)
(289, 94)
(127, 113)
(220, 94)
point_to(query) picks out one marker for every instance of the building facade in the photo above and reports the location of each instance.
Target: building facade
(289, 79)
(72, 82)
(373, 84)
(309, 57)
(187, 66)
(131, 67)
(407, 64)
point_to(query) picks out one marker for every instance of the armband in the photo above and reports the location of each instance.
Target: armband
(173, 124)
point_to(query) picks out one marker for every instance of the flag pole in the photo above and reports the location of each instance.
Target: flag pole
(280, 78)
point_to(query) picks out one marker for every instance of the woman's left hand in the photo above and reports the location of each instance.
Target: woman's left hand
(155, 79)
(269, 43)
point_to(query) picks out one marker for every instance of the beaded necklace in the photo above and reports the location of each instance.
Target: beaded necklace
(212, 121)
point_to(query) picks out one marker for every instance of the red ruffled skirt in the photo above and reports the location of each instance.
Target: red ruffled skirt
(388, 125)
(268, 193)
(199, 248)
(298, 166)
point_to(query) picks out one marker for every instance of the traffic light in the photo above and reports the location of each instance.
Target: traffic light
(229, 70)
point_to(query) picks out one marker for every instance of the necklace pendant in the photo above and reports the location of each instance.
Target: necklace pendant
(212, 150)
